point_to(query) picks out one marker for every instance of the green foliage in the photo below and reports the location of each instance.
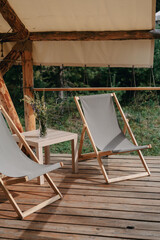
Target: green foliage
(145, 122)
(157, 5)
(142, 107)
(13, 80)
(143, 114)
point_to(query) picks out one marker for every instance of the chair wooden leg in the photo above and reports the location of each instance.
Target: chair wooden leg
(52, 185)
(40, 206)
(102, 168)
(143, 162)
(132, 176)
(24, 214)
(123, 178)
(11, 199)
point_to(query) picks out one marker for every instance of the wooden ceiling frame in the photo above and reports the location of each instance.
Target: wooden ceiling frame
(19, 49)
(13, 20)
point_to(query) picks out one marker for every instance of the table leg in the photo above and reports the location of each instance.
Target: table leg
(74, 144)
(47, 154)
(39, 154)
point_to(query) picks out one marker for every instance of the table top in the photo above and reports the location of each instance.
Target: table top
(53, 136)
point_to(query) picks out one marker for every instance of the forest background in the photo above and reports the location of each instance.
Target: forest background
(142, 108)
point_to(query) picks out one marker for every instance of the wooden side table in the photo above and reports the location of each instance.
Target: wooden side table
(53, 137)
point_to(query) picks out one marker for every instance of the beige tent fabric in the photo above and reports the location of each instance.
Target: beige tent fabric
(95, 53)
(137, 53)
(4, 26)
(83, 15)
(87, 15)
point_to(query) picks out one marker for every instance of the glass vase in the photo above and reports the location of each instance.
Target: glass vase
(43, 128)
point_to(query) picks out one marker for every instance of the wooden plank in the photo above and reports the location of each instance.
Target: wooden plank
(73, 186)
(113, 191)
(100, 199)
(78, 229)
(91, 199)
(91, 221)
(39, 235)
(122, 215)
(101, 183)
(67, 202)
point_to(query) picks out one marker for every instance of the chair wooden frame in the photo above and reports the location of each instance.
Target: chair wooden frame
(4, 181)
(98, 154)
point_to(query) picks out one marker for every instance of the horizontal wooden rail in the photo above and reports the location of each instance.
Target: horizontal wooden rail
(98, 89)
(83, 35)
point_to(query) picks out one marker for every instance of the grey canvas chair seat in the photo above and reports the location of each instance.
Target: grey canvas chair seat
(100, 122)
(15, 164)
(121, 144)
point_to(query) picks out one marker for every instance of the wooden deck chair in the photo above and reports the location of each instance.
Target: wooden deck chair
(16, 167)
(100, 122)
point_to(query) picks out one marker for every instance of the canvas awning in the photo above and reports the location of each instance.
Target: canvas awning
(87, 15)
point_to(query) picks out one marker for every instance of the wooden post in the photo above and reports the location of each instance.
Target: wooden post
(27, 67)
(6, 102)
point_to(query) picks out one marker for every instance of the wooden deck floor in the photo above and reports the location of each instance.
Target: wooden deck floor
(90, 208)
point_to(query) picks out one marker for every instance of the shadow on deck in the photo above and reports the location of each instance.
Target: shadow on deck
(90, 209)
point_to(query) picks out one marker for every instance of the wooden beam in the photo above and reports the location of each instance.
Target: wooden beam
(27, 67)
(12, 56)
(91, 36)
(85, 35)
(13, 20)
(98, 89)
(6, 102)
(10, 59)
(8, 37)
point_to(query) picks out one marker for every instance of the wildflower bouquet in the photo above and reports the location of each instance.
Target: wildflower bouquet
(40, 111)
